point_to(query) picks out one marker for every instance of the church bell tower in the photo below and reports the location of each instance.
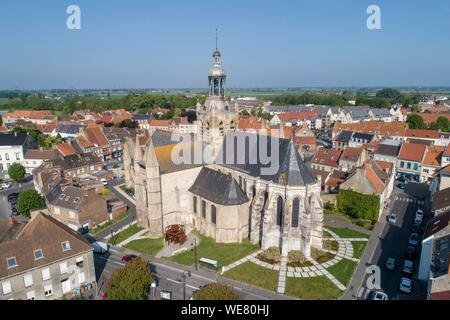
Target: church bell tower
(218, 115)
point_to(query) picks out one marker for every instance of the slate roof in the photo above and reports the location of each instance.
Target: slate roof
(286, 169)
(292, 108)
(68, 197)
(367, 137)
(387, 150)
(441, 199)
(10, 139)
(69, 128)
(381, 112)
(344, 136)
(218, 188)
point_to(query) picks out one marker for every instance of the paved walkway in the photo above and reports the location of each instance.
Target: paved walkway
(345, 251)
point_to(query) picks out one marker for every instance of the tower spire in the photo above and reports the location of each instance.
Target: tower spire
(217, 41)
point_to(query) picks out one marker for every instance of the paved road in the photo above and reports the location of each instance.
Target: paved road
(169, 277)
(121, 224)
(5, 206)
(390, 241)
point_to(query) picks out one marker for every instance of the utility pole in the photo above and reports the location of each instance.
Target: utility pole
(184, 285)
(195, 253)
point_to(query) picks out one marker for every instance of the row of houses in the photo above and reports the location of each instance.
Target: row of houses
(326, 116)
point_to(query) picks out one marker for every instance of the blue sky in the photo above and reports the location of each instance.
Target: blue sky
(264, 43)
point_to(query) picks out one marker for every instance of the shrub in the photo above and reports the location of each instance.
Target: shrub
(215, 291)
(271, 255)
(29, 200)
(297, 259)
(358, 205)
(131, 282)
(332, 245)
(321, 256)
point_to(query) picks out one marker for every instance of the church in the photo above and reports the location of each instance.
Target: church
(245, 198)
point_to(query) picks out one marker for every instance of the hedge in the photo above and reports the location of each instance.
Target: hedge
(358, 205)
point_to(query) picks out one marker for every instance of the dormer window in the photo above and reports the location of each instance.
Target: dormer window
(38, 254)
(61, 197)
(12, 262)
(66, 246)
(76, 200)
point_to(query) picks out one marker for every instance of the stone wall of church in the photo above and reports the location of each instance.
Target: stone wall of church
(176, 199)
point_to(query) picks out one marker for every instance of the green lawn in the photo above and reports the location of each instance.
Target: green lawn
(358, 248)
(317, 288)
(223, 253)
(125, 234)
(348, 233)
(253, 274)
(343, 270)
(108, 224)
(149, 247)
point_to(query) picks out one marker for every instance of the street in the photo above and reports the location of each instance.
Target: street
(169, 277)
(387, 241)
(5, 206)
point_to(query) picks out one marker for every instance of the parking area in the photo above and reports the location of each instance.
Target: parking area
(5, 205)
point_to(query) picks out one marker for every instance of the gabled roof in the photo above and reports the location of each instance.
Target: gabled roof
(345, 136)
(425, 134)
(40, 154)
(412, 152)
(350, 154)
(45, 233)
(218, 188)
(11, 139)
(65, 149)
(387, 150)
(96, 136)
(327, 157)
(433, 156)
(294, 116)
(68, 128)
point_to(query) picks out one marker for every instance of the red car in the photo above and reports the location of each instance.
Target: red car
(128, 258)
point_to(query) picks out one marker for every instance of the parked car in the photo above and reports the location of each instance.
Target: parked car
(408, 266)
(405, 285)
(401, 186)
(390, 264)
(5, 186)
(129, 258)
(410, 253)
(393, 218)
(13, 197)
(104, 181)
(378, 295)
(413, 239)
(417, 228)
(419, 215)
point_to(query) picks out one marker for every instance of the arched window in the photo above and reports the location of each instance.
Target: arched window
(295, 212)
(213, 214)
(240, 181)
(195, 204)
(279, 211)
(232, 125)
(203, 209)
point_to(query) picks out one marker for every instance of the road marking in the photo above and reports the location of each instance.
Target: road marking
(181, 271)
(119, 263)
(178, 282)
(361, 292)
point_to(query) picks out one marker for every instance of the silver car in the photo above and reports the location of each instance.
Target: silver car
(408, 266)
(406, 285)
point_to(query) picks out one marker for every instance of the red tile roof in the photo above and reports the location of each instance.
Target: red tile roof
(307, 140)
(374, 179)
(95, 135)
(305, 115)
(252, 122)
(29, 114)
(417, 133)
(159, 123)
(65, 149)
(351, 154)
(375, 127)
(433, 156)
(327, 157)
(412, 152)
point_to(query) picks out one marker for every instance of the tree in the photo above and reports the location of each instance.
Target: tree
(215, 291)
(29, 200)
(389, 93)
(131, 282)
(416, 122)
(128, 123)
(16, 172)
(415, 108)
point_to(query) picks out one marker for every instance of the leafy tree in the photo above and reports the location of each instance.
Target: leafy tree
(389, 93)
(177, 112)
(29, 200)
(128, 123)
(16, 171)
(358, 205)
(415, 108)
(131, 282)
(215, 291)
(416, 122)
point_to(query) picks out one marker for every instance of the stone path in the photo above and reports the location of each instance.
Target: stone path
(345, 251)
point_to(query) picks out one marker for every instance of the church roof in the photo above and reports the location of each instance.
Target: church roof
(218, 188)
(286, 168)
